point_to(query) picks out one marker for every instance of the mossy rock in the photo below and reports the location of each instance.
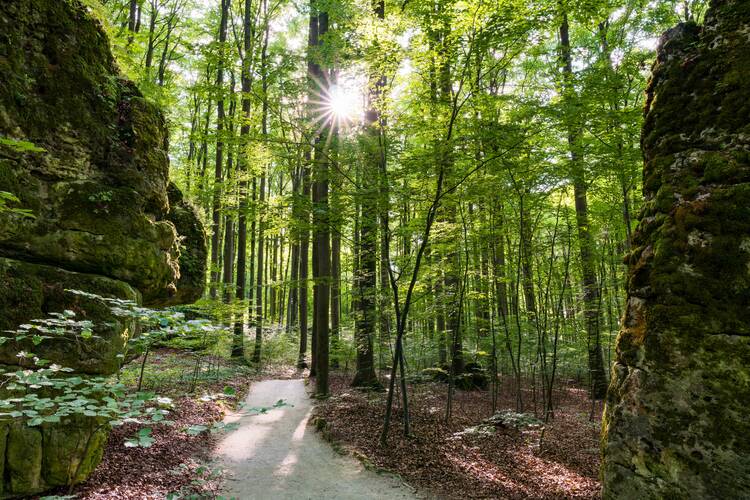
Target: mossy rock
(98, 191)
(102, 222)
(32, 291)
(436, 374)
(72, 450)
(675, 423)
(193, 249)
(23, 460)
(36, 459)
(474, 378)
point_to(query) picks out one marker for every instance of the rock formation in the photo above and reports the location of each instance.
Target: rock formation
(106, 219)
(676, 421)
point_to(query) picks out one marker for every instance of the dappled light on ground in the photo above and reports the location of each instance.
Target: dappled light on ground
(277, 455)
(448, 460)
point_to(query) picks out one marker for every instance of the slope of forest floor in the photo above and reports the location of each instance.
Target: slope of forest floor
(458, 460)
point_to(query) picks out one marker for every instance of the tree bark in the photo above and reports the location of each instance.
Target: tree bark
(238, 348)
(262, 195)
(366, 273)
(218, 165)
(321, 233)
(590, 286)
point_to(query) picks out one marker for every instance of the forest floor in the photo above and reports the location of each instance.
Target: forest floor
(176, 465)
(278, 455)
(463, 459)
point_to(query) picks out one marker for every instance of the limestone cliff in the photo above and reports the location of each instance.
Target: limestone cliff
(105, 220)
(99, 192)
(676, 422)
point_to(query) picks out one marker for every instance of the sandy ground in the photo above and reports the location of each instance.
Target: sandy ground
(277, 455)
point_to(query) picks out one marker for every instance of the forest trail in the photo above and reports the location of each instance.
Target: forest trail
(276, 455)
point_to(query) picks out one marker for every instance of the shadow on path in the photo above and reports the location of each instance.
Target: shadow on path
(276, 455)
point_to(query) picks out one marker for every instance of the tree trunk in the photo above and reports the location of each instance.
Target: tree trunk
(153, 15)
(262, 209)
(585, 238)
(217, 192)
(304, 265)
(321, 234)
(238, 348)
(312, 43)
(366, 273)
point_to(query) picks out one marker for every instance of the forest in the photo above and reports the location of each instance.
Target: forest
(374, 249)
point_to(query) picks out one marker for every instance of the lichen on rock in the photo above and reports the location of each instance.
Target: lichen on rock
(675, 423)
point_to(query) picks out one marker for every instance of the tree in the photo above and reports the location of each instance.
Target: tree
(321, 218)
(246, 81)
(262, 221)
(585, 239)
(219, 163)
(366, 271)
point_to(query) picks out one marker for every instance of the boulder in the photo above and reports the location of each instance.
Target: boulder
(98, 191)
(30, 291)
(473, 378)
(193, 248)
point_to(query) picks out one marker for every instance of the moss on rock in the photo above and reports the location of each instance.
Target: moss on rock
(193, 249)
(675, 423)
(99, 190)
(23, 460)
(29, 291)
(72, 450)
(102, 221)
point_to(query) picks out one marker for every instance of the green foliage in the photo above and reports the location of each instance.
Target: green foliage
(41, 392)
(475, 90)
(514, 419)
(142, 439)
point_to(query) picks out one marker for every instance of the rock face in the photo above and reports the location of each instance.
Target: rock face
(193, 249)
(676, 422)
(106, 219)
(30, 291)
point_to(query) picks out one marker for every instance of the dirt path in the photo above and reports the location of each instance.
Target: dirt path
(276, 455)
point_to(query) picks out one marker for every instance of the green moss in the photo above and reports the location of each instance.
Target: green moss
(29, 291)
(665, 198)
(4, 428)
(675, 419)
(72, 450)
(23, 459)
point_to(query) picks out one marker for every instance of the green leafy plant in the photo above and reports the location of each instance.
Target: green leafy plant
(142, 439)
(7, 199)
(44, 392)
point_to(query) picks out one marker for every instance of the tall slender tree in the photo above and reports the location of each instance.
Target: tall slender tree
(219, 159)
(585, 238)
(238, 348)
(366, 272)
(321, 219)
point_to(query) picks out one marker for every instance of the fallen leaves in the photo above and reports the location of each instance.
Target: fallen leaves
(445, 460)
(173, 462)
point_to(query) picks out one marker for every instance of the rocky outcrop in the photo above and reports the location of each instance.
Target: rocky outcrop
(105, 218)
(99, 192)
(193, 249)
(676, 421)
(31, 291)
